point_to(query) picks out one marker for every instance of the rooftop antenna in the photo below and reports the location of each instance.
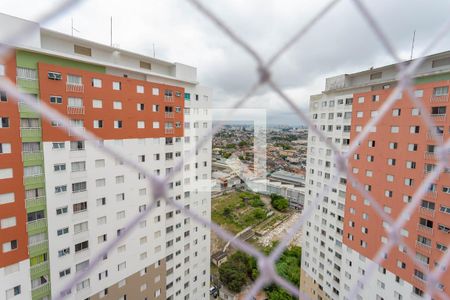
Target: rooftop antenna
(154, 50)
(73, 28)
(111, 33)
(412, 45)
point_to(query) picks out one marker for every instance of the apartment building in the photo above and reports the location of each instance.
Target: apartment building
(345, 232)
(62, 199)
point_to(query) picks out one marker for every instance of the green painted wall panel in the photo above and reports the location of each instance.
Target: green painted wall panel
(439, 77)
(29, 60)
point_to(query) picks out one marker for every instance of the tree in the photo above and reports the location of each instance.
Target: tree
(237, 271)
(279, 203)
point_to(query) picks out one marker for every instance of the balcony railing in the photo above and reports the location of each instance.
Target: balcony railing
(28, 132)
(430, 155)
(75, 110)
(425, 229)
(38, 248)
(41, 291)
(39, 269)
(33, 203)
(27, 83)
(443, 98)
(36, 225)
(168, 98)
(426, 211)
(169, 115)
(437, 136)
(439, 117)
(169, 130)
(32, 156)
(423, 247)
(35, 179)
(73, 87)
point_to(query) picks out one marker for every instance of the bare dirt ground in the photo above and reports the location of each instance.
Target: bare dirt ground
(280, 231)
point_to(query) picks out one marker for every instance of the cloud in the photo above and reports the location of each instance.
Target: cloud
(341, 42)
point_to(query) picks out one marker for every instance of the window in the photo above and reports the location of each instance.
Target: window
(414, 129)
(155, 107)
(4, 122)
(116, 85)
(60, 145)
(97, 83)
(415, 112)
(17, 290)
(56, 99)
(97, 103)
(77, 146)
(79, 187)
(141, 124)
(99, 163)
(61, 210)
(59, 167)
(81, 246)
(396, 112)
(440, 91)
(140, 89)
(78, 166)
(6, 148)
(80, 227)
(395, 129)
(393, 145)
(64, 272)
(82, 50)
(79, 207)
(98, 123)
(74, 80)
(100, 182)
(145, 65)
(155, 125)
(155, 91)
(117, 124)
(374, 76)
(62, 231)
(60, 189)
(438, 110)
(74, 102)
(117, 105)
(54, 75)
(412, 147)
(9, 246)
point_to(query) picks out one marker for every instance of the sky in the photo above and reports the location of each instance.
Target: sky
(341, 41)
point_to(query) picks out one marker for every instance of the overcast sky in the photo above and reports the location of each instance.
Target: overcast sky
(340, 43)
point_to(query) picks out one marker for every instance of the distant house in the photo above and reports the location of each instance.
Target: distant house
(219, 258)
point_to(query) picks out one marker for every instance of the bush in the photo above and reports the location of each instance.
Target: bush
(279, 203)
(256, 202)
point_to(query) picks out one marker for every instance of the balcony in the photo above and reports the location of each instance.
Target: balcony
(424, 229)
(169, 131)
(38, 248)
(32, 156)
(37, 226)
(27, 83)
(34, 180)
(75, 110)
(39, 270)
(439, 117)
(169, 115)
(423, 247)
(30, 132)
(442, 98)
(41, 291)
(33, 204)
(430, 155)
(74, 88)
(168, 98)
(426, 211)
(27, 112)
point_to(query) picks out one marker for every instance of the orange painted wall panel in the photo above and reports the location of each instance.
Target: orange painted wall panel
(129, 115)
(14, 185)
(354, 209)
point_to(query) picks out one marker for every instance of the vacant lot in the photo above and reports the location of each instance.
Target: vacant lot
(238, 210)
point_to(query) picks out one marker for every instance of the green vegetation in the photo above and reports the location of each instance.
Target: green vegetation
(241, 269)
(279, 203)
(284, 146)
(237, 271)
(230, 146)
(237, 211)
